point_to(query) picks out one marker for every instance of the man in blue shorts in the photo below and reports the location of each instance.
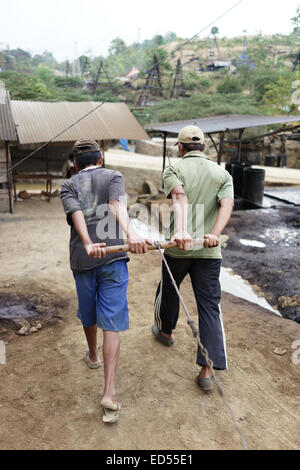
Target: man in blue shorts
(92, 200)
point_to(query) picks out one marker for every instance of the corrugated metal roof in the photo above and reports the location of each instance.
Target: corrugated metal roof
(39, 122)
(229, 122)
(7, 125)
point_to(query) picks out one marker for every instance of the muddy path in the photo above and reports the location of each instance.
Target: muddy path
(49, 399)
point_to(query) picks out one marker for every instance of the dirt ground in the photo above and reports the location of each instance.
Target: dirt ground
(49, 399)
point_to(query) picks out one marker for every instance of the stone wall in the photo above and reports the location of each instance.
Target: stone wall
(155, 146)
(135, 177)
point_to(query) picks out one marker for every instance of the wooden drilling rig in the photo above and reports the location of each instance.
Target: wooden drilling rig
(178, 89)
(152, 85)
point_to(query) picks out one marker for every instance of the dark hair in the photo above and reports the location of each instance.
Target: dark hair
(85, 159)
(191, 147)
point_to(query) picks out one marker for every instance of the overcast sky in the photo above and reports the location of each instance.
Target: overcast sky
(69, 28)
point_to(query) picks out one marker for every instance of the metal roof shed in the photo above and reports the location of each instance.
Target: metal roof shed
(39, 122)
(220, 125)
(7, 135)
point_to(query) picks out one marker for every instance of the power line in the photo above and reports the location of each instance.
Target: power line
(133, 81)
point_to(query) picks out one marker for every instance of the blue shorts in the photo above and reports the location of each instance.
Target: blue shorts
(102, 296)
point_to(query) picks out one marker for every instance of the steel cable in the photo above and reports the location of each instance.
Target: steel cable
(115, 94)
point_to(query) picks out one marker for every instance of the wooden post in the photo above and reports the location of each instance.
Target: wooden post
(9, 178)
(164, 155)
(241, 131)
(214, 143)
(221, 147)
(47, 160)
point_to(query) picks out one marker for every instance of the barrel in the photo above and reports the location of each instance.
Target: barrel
(228, 167)
(237, 173)
(270, 160)
(254, 185)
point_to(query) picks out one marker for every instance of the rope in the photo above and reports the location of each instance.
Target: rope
(203, 350)
(133, 80)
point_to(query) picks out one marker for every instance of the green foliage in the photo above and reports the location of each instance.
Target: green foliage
(67, 82)
(264, 89)
(22, 86)
(279, 94)
(117, 47)
(192, 81)
(196, 106)
(214, 31)
(230, 85)
(296, 20)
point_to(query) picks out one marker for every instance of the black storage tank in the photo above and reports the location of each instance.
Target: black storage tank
(237, 173)
(254, 185)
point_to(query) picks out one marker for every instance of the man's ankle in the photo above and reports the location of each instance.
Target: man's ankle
(205, 373)
(166, 335)
(93, 356)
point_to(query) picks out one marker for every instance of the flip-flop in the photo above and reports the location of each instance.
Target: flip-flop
(162, 339)
(90, 364)
(206, 385)
(111, 411)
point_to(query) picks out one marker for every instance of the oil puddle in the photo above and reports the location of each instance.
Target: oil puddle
(26, 309)
(17, 312)
(235, 285)
(282, 235)
(253, 243)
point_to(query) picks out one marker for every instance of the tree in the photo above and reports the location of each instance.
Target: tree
(279, 95)
(214, 32)
(296, 20)
(170, 36)
(117, 46)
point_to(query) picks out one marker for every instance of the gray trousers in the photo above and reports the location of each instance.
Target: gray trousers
(204, 274)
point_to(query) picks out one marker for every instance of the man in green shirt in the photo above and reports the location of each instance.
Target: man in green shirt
(196, 184)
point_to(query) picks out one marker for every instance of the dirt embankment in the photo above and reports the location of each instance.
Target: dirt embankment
(49, 399)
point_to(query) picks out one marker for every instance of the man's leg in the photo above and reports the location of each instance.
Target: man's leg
(205, 275)
(112, 317)
(91, 337)
(111, 353)
(166, 306)
(86, 292)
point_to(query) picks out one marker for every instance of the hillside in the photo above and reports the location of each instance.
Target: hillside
(256, 76)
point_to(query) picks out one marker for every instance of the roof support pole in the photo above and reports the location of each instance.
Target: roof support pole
(9, 179)
(214, 143)
(47, 160)
(164, 157)
(165, 151)
(241, 131)
(221, 147)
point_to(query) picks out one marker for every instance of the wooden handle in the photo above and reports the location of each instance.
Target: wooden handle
(125, 248)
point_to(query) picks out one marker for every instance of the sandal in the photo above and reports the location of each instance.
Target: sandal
(111, 411)
(91, 365)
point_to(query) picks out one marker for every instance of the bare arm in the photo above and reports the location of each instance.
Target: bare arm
(136, 243)
(223, 217)
(180, 205)
(94, 250)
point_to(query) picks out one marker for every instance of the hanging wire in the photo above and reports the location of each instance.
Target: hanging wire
(139, 76)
